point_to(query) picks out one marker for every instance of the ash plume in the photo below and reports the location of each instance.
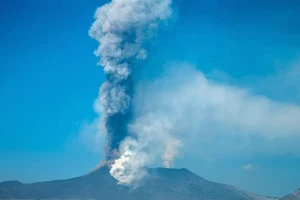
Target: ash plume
(122, 28)
(181, 107)
(151, 140)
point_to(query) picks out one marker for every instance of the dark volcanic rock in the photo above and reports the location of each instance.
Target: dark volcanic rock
(160, 184)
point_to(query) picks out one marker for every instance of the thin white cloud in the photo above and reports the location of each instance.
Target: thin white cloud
(250, 167)
(211, 119)
(285, 80)
(190, 99)
(283, 84)
(93, 135)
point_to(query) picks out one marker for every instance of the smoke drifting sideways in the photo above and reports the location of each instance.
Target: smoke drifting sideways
(122, 28)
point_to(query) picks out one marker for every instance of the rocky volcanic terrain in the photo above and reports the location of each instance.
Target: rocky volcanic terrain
(160, 184)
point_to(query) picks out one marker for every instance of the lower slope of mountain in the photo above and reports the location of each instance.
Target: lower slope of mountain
(293, 196)
(160, 184)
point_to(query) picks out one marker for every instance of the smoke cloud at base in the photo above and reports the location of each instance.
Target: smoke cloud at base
(151, 141)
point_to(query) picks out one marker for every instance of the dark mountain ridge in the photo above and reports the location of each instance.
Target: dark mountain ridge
(160, 184)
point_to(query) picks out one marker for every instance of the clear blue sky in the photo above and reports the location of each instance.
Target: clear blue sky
(49, 80)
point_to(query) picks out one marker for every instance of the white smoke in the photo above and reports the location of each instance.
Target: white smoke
(128, 169)
(189, 99)
(210, 117)
(151, 139)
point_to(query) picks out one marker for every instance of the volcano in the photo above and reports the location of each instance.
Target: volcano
(294, 196)
(160, 184)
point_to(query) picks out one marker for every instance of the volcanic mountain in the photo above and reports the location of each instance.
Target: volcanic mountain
(160, 184)
(293, 196)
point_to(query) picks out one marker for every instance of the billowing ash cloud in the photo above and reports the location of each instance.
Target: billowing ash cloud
(151, 139)
(122, 27)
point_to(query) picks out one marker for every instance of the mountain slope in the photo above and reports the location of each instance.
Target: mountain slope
(294, 196)
(160, 184)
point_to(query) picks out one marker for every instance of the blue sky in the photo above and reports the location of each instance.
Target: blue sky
(49, 80)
